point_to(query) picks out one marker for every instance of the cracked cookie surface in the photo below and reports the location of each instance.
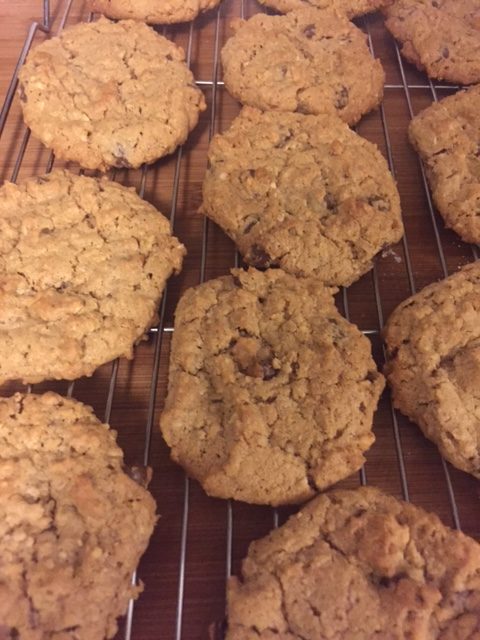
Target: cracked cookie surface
(447, 137)
(349, 8)
(358, 565)
(260, 370)
(153, 11)
(108, 94)
(306, 61)
(440, 37)
(433, 343)
(83, 263)
(74, 524)
(305, 193)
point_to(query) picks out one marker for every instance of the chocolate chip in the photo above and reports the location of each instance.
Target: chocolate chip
(46, 231)
(341, 98)
(477, 152)
(445, 52)
(236, 281)
(284, 139)
(22, 94)
(435, 4)
(268, 370)
(250, 225)
(122, 163)
(258, 257)
(379, 202)
(309, 31)
(90, 221)
(139, 473)
(330, 201)
(371, 376)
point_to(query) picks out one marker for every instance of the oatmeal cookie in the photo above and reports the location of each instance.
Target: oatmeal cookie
(433, 343)
(306, 61)
(358, 565)
(73, 524)
(83, 263)
(447, 137)
(440, 37)
(153, 11)
(271, 392)
(108, 94)
(349, 8)
(305, 193)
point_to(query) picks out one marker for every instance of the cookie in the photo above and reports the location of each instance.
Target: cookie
(73, 524)
(433, 343)
(306, 61)
(349, 8)
(153, 11)
(358, 565)
(447, 137)
(271, 392)
(108, 94)
(83, 263)
(440, 37)
(302, 192)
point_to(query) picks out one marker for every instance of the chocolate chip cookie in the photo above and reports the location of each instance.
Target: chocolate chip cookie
(83, 263)
(108, 94)
(271, 392)
(447, 137)
(73, 524)
(306, 61)
(433, 342)
(349, 8)
(153, 11)
(440, 37)
(358, 565)
(301, 192)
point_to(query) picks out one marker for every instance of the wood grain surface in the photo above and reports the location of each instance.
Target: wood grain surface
(198, 540)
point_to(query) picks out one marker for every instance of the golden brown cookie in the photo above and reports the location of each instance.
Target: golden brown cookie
(440, 37)
(271, 392)
(447, 137)
(358, 565)
(153, 11)
(108, 94)
(83, 263)
(306, 61)
(433, 343)
(73, 524)
(305, 193)
(349, 8)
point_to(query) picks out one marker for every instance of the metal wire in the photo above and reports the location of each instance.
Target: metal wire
(157, 332)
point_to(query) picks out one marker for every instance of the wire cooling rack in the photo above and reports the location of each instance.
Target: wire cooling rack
(200, 541)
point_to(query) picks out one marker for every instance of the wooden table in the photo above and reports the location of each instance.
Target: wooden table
(198, 540)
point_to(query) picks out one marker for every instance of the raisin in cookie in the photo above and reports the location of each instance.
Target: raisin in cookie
(433, 342)
(304, 193)
(447, 137)
(440, 37)
(73, 524)
(358, 565)
(83, 263)
(153, 11)
(108, 94)
(349, 8)
(262, 365)
(305, 61)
